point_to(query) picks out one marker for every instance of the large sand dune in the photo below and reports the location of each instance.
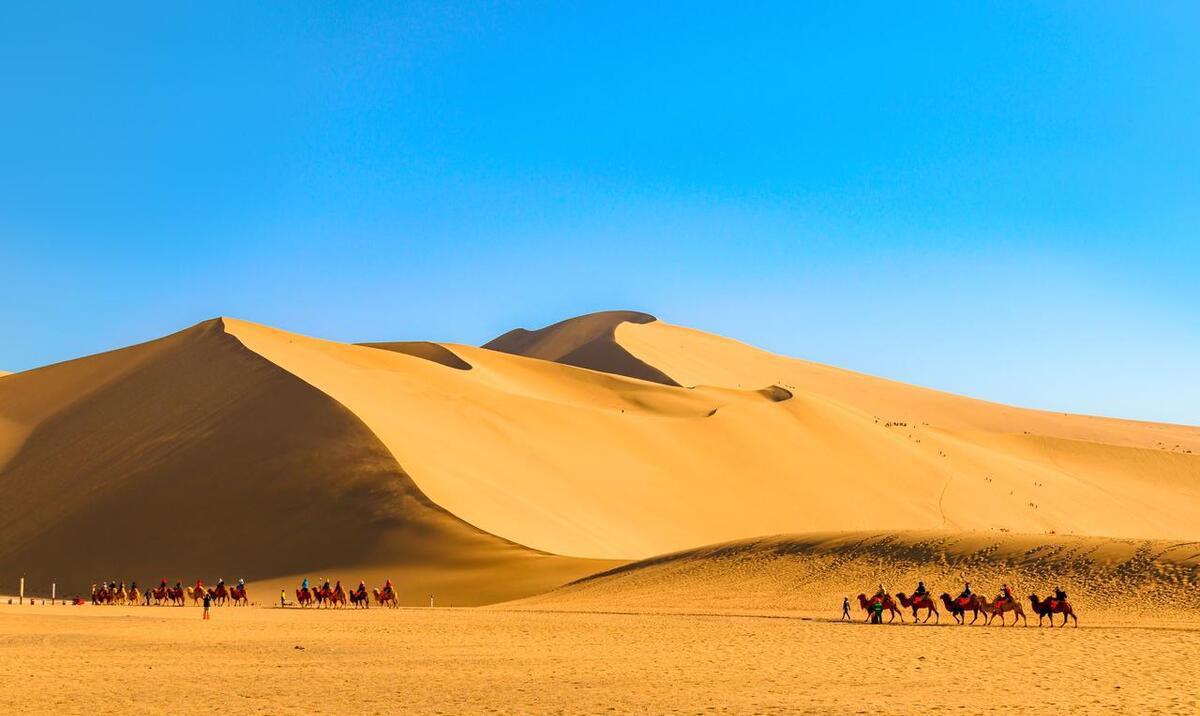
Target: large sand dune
(236, 449)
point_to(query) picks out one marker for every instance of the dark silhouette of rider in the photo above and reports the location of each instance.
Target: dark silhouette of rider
(1059, 594)
(966, 592)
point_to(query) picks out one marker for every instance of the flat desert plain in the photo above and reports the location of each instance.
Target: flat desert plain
(257, 660)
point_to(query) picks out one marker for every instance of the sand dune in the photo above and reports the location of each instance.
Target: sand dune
(236, 449)
(1107, 579)
(586, 341)
(192, 456)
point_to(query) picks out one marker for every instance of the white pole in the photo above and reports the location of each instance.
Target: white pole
(431, 600)
(21, 597)
(53, 591)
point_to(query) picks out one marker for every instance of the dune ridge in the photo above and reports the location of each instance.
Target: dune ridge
(585, 342)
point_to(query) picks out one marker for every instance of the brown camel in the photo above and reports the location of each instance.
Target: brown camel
(999, 607)
(959, 607)
(919, 602)
(889, 605)
(1049, 606)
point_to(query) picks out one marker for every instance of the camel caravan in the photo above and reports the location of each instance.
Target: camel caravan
(336, 596)
(327, 595)
(967, 601)
(164, 595)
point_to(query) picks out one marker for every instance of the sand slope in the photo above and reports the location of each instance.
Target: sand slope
(192, 456)
(1121, 579)
(586, 341)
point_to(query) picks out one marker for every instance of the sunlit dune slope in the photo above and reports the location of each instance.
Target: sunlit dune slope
(586, 342)
(589, 463)
(193, 456)
(812, 572)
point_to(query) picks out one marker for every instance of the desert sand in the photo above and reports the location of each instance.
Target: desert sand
(102, 660)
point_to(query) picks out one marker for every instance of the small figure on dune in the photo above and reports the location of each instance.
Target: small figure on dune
(846, 608)
(207, 604)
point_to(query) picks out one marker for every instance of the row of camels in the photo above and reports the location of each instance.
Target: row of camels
(975, 603)
(336, 597)
(163, 595)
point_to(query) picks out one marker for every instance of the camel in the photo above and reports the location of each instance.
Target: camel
(888, 604)
(999, 607)
(196, 594)
(923, 601)
(385, 598)
(360, 599)
(959, 607)
(238, 597)
(337, 596)
(177, 595)
(1048, 607)
(219, 594)
(135, 596)
(304, 597)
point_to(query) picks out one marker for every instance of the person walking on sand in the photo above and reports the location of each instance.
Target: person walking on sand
(846, 609)
(207, 604)
(282, 599)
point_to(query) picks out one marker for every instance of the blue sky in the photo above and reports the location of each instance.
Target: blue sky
(997, 199)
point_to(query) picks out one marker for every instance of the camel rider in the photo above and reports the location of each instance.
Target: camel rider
(163, 583)
(326, 587)
(241, 583)
(304, 584)
(881, 592)
(1005, 593)
(920, 591)
(200, 584)
(966, 592)
(362, 586)
(1059, 594)
(387, 586)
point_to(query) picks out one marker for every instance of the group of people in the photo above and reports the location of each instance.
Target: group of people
(335, 595)
(113, 592)
(921, 593)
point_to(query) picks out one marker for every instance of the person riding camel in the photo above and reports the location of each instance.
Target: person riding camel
(241, 583)
(881, 592)
(304, 584)
(200, 584)
(163, 583)
(1059, 594)
(966, 592)
(387, 586)
(920, 591)
(1005, 594)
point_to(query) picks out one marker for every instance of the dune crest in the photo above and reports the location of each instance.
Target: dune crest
(585, 342)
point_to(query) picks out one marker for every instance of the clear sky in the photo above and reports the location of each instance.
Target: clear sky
(1001, 200)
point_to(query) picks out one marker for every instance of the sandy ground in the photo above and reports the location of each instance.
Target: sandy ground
(99, 660)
